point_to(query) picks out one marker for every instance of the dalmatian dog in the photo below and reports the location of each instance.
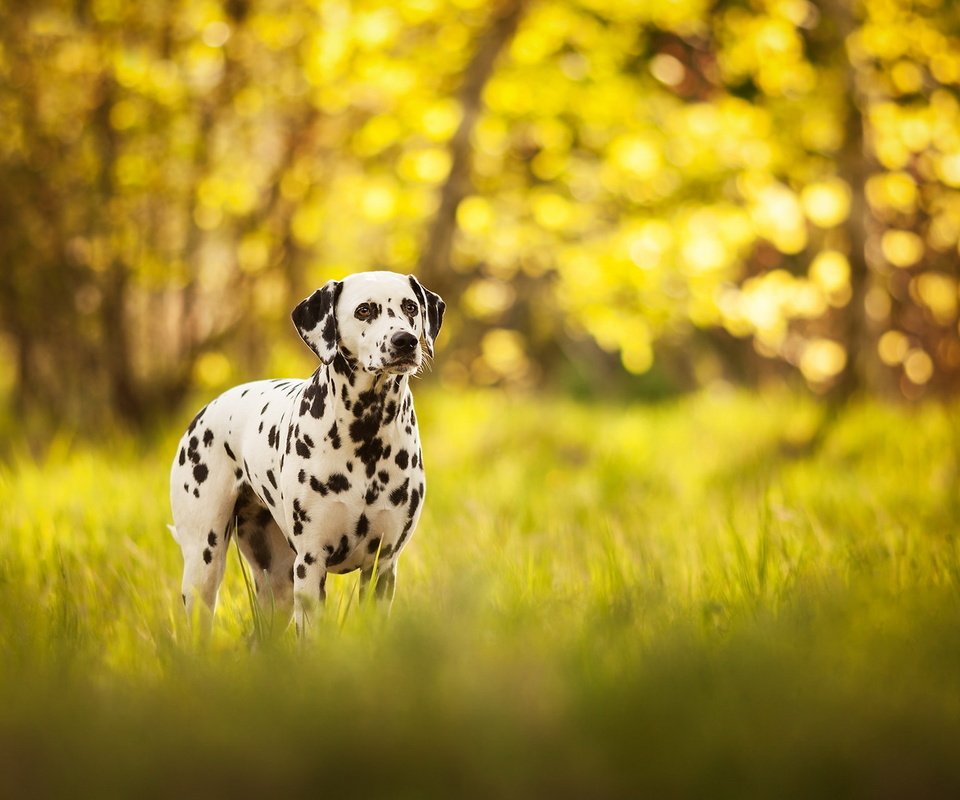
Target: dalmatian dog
(318, 475)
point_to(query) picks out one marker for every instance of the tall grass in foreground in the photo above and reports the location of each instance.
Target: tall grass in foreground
(600, 601)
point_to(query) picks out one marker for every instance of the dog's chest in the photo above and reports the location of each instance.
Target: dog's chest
(353, 475)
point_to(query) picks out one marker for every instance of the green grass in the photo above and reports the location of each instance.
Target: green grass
(599, 601)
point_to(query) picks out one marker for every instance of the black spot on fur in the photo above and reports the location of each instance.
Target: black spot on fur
(373, 492)
(302, 450)
(363, 526)
(207, 556)
(373, 544)
(195, 420)
(212, 539)
(317, 486)
(229, 452)
(266, 495)
(200, 473)
(207, 438)
(309, 558)
(384, 477)
(334, 435)
(301, 571)
(370, 453)
(338, 482)
(183, 456)
(399, 495)
(402, 459)
(264, 409)
(238, 473)
(330, 330)
(271, 478)
(299, 517)
(299, 512)
(340, 554)
(414, 503)
(314, 396)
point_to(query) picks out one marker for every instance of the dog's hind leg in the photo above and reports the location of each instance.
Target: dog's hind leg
(386, 581)
(203, 493)
(203, 541)
(270, 557)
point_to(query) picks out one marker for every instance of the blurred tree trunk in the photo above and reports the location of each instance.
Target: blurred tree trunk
(854, 168)
(434, 263)
(115, 345)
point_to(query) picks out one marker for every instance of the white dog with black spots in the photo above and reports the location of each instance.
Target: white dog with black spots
(319, 475)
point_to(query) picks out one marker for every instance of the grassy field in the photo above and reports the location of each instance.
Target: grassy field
(600, 601)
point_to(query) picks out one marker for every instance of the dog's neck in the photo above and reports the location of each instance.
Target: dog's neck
(350, 389)
(353, 381)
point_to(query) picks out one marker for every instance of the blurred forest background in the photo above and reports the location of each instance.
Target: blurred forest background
(650, 194)
(746, 593)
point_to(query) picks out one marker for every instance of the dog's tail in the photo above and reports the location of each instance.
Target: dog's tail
(173, 533)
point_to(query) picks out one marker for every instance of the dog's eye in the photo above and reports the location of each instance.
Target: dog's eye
(409, 308)
(363, 311)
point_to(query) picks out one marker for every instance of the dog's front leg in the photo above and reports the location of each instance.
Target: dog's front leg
(385, 582)
(309, 590)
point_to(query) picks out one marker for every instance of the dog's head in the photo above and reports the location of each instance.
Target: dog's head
(382, 321)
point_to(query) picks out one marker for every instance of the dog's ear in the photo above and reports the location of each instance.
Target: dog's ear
(431, 312)
(316, 321)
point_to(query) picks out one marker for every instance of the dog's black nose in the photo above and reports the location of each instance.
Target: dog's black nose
(403, 342)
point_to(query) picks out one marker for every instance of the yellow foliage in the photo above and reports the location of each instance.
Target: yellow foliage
(901, 248)
(938, 292)
(213, 370)
(830, 271)
(892, 347)
(894, 190)
(636, 155)
(484, 298)
(918, 367)
(778, 217)
(378, 201)
(826, 203)
(948, 169)
(475, 215)
(822, 359)
(429, 165)
(550, 210)
(503, 351)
